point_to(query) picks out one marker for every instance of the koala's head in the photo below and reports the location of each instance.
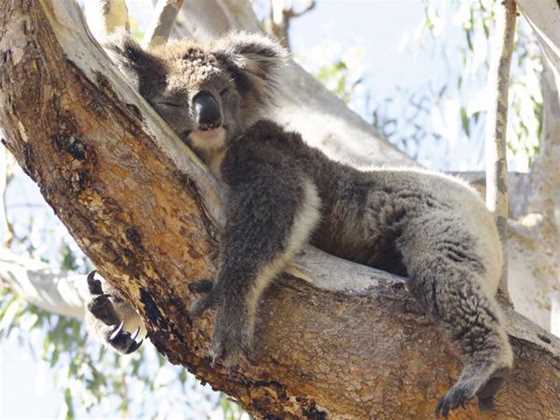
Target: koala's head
(207, 93)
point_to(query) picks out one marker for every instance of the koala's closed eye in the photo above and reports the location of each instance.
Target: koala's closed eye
(169, 102)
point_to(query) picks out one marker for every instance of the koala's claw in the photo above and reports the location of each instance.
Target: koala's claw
(94, 285)
(457, 396)
(122, 340)
(108, 314)
(201, 286)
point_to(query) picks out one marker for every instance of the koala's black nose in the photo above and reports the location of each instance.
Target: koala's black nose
(206, 111)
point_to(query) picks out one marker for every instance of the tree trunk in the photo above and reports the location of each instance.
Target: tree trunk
(146, 212)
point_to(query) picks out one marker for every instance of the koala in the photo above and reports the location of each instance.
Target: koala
(282, 194)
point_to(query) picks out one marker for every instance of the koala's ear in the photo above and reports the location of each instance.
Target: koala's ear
(254, 61)
(137, 65)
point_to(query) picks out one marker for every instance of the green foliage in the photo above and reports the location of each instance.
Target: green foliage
(336, 77)
(231, 409)
(477, 20)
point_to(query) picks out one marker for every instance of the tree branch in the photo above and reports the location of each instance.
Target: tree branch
(280, 17)
(5, 177)
(496, 133)
(56, 292)
(545, 178)
(142, 208)
(160, 27)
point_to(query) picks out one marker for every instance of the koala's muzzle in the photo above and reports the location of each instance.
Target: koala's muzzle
(206, 111)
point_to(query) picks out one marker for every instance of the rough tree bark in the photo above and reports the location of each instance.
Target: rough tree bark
(146, 212)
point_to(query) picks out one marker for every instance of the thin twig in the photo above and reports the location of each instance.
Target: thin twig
(279, 19)
(158, 31)
(496, 135)
(5, 177)
(310, 5)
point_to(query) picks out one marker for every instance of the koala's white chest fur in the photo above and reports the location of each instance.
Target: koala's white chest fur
(209, 140)
(210, 146)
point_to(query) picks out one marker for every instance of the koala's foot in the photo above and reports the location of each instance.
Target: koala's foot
(233, 329)
(467, 388)
(111, 318)
(487, 393)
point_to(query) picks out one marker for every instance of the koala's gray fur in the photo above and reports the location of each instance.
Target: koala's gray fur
(282, 193)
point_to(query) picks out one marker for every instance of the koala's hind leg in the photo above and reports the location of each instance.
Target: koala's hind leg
(111, 319)
(448, 278)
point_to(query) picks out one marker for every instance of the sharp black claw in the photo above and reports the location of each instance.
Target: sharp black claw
(201, 286)
(116, 333)
(134, 346)
(442, 408)
(94, 285)
(134, 336)
(123, 341)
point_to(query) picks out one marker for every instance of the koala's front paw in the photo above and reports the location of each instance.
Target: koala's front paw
(233, 336)
(233, 330)
(112, 319)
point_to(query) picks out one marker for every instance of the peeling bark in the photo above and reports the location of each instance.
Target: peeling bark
(146, 211)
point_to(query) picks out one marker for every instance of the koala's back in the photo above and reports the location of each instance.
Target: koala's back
(366, 216)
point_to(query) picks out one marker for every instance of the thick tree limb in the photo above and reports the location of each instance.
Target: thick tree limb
(545, 177)
(543, 199)
(141, 206)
